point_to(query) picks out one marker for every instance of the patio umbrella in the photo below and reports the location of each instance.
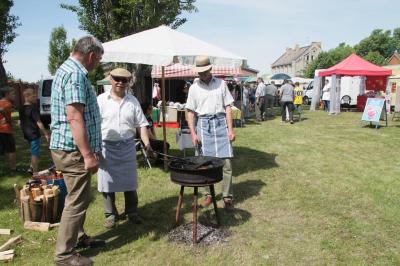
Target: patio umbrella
(251, 79)
(265, 76)
(164, 46)
(280, 76)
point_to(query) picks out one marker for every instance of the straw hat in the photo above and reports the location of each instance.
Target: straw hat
(120, 72)
(202, 64)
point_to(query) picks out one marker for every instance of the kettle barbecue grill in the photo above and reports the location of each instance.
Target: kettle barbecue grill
(196, 171)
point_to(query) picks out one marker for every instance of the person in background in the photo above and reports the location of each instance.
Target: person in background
(7, 141)
(298, 97)
(210, 122)
(156, 145)
(252, 97)
(326, 95)
(121, 116)
(31, 126)
(270, 95)
(246, 102)
(260, 100)
(75, 142)
(182, 97)
(186, 91)
(286, 96)
(156, 95)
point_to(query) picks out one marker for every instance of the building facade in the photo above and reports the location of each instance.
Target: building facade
(294, 60)
(394, 59)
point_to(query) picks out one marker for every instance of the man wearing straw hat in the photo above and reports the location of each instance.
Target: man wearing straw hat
(210, 122)
(121, 114)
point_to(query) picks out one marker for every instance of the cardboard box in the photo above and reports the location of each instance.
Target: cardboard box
(171, 115)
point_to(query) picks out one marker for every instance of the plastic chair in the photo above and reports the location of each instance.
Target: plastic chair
(345, 103)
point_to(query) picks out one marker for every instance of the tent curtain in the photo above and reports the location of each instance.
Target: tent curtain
(362, 85)
(335, 95)
(397, 104)
(316, 93)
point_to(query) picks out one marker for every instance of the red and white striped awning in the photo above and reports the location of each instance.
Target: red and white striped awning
(183, 71)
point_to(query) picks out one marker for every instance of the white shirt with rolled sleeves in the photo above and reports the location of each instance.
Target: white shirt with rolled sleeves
(119, 120)
(206, 99)
(261, 89)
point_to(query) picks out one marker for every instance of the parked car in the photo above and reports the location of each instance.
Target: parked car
(44, 98)
(308, 91)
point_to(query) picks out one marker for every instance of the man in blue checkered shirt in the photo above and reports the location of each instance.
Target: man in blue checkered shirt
(75, 140)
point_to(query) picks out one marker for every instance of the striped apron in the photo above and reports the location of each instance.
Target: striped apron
(117, 170)
(212, 131)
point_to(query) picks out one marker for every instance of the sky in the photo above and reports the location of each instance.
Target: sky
(258, 30)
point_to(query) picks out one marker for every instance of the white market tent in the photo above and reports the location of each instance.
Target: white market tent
(163, 46)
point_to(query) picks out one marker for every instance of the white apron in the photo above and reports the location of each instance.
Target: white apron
(117, 171)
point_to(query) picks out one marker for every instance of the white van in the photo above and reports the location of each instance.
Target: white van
(349, 88)
(44, 97)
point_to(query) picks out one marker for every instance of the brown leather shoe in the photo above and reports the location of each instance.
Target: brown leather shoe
(75, 260)
(207, 201)
(228, 204)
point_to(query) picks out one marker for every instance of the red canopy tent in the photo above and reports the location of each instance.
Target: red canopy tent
(376, 76)
(355, 66)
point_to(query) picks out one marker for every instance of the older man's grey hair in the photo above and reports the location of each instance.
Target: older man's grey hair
(88, 44)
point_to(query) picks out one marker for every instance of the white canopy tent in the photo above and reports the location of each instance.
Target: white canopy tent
(163, 46)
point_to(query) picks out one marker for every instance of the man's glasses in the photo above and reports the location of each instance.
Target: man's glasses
(119, 79)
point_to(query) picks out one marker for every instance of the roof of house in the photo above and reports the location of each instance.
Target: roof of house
(394, 55)
(292, 54)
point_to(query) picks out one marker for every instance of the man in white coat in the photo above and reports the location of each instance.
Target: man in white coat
(326, 96)
(121, 114)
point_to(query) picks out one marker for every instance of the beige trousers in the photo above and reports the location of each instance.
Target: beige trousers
(77, 181)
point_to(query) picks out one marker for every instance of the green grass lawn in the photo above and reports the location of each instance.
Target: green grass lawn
(322, 191)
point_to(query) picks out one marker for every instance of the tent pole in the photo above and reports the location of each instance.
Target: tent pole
(163, 116)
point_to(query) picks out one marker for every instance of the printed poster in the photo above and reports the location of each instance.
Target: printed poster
(373, 109)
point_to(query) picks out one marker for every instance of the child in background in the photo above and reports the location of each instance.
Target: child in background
(298, 97)
(30, 125)
(156, 145)
(7, 141)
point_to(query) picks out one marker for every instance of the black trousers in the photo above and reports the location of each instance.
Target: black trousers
(158, 145)
(131, 203)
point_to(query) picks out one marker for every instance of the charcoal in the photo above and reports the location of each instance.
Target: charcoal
(206, 235)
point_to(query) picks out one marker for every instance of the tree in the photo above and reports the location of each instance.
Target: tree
(378, 41)
(111, 19)
(375, 58)
(396, 39)
(59, 48)
(328, 59)
(8, 24)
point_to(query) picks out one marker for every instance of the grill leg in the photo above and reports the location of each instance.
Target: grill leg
(179, 206)
(212, 191)
(194, 228)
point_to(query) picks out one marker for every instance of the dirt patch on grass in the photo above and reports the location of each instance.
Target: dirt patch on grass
(206, 235)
